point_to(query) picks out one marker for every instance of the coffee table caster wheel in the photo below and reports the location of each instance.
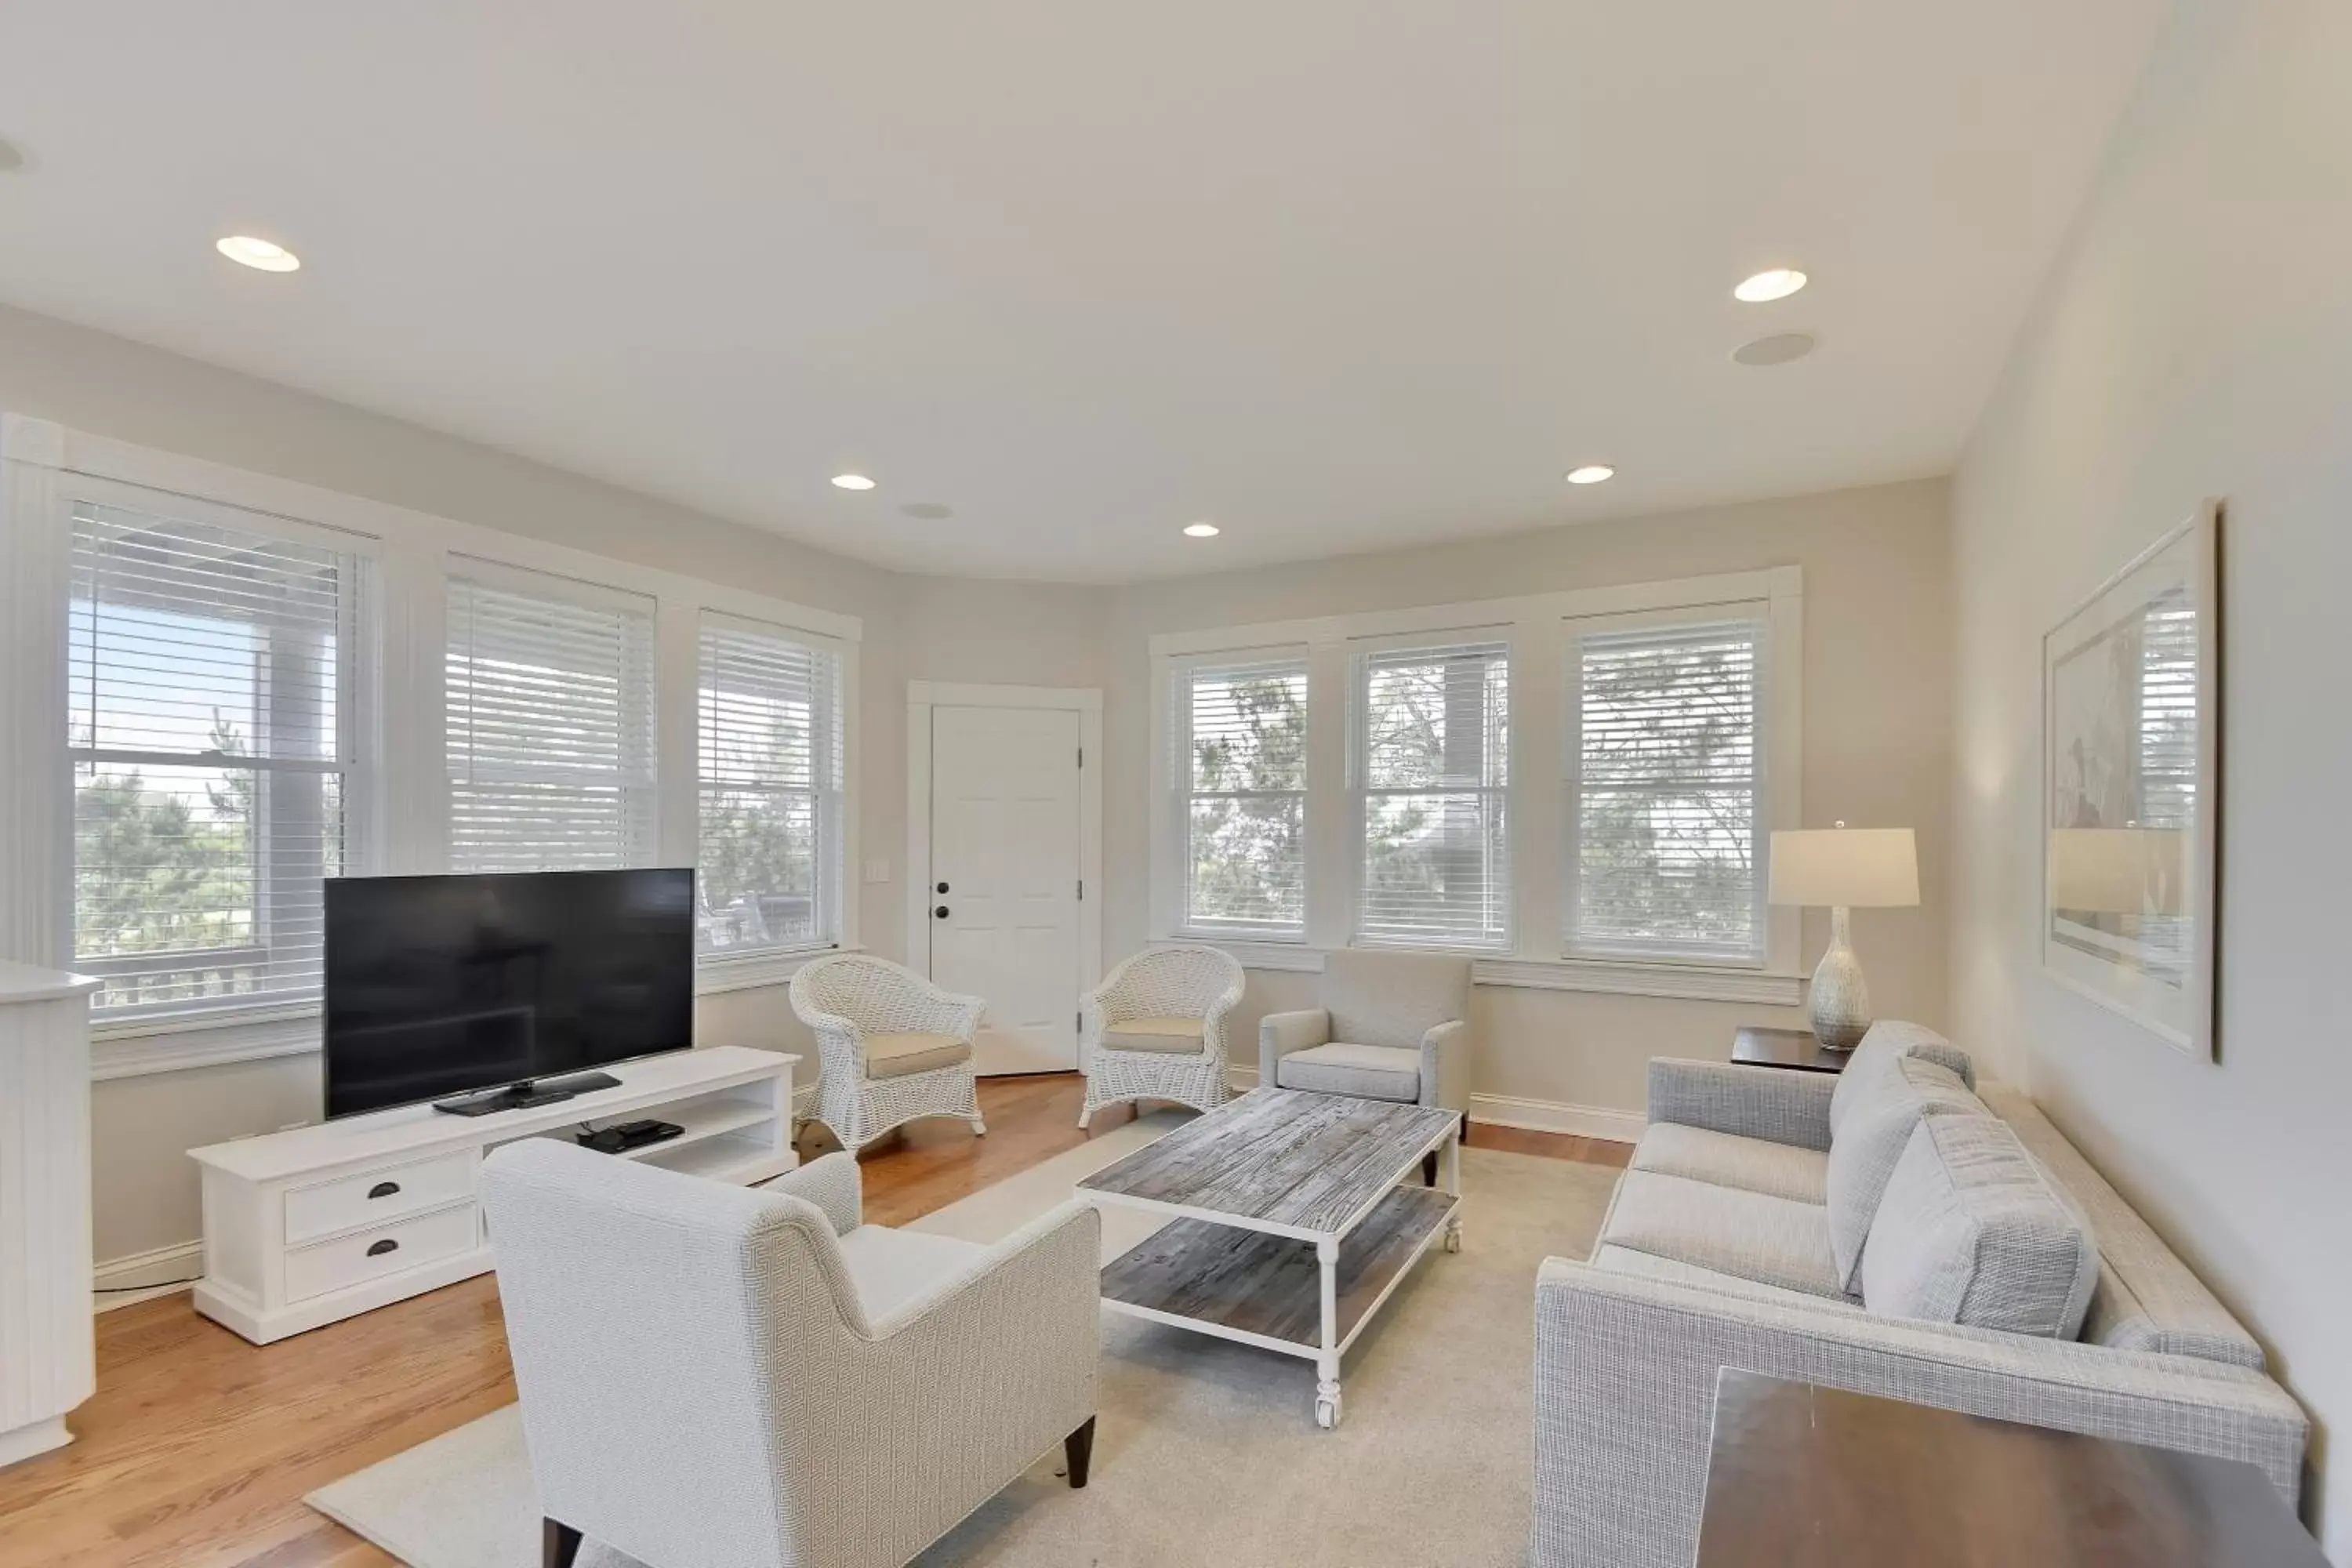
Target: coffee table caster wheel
(1326, 1410)
(1453, 1241)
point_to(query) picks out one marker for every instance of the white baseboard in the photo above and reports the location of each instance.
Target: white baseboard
(1528, 1115)
(1553, 1115)
(127, 1280)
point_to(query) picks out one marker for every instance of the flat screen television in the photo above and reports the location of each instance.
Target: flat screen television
(450, 986)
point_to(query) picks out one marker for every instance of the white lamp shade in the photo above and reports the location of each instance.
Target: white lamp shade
(2119, 870)
(1852, 867)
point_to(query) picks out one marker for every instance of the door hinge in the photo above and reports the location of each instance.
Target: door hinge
(1082, 890)
(1082, 756)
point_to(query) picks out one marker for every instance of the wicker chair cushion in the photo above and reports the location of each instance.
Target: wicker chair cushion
(895, 1056)
(1178, 1037)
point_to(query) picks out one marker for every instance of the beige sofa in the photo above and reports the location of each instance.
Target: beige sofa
(1897, 1230)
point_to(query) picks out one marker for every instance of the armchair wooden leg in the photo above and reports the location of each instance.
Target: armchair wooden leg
(1078, 1447)
(559, 1543)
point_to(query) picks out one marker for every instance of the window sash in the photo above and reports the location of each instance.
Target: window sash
(769, 750)
(1225, 896)
(1454, 893)
(548, 720)
(1690, 801)
(211, 664)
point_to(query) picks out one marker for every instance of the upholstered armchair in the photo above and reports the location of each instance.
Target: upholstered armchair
(1393, 1026)
(891, 1046)
(712, 1375)
(1155, 1028)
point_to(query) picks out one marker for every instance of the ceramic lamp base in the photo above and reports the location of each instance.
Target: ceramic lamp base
(1839, 997)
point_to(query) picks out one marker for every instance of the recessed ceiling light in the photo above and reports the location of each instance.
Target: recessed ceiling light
(1777, 348)
(259, 254)
(1200, 530)
(852, 482)
(1765, 286)
(1591, 474)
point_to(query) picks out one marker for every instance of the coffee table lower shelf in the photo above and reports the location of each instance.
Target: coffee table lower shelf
(1267, 1290)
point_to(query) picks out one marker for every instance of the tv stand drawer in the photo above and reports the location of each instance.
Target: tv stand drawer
(374, 1197)
(354, 1259)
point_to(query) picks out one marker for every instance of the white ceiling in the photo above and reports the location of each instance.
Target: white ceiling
(1336, 274)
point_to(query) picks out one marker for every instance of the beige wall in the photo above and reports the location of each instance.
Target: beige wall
(2196, 341)
(1878, 634)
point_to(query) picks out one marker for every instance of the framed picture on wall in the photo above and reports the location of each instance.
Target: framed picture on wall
(2131, 806)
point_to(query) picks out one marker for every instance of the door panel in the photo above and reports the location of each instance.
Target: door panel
(1004, 839)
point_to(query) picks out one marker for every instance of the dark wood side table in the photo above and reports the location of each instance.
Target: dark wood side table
(1804, 1476)
(1786, 1049)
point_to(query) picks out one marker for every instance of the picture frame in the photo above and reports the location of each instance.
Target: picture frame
(2131, 788)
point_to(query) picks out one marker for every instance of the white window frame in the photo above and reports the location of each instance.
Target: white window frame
(1540, 632)
(830, 806)
(401, 822)
(1173, 792)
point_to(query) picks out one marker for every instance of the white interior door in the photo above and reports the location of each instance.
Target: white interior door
(1004, 878)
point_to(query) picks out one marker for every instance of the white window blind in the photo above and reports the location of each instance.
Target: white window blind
(1240, 776)
(769, 721)
(1431, 728)
(209, 731)
(1669, 788)
(549, 714)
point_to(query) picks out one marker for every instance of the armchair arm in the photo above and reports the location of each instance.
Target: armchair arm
(1445, 1066)
(1770, 1103)
(1625, 1373)
(1279, 1034)
(833, 1183)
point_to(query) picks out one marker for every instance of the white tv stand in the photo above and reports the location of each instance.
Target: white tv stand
(319, 1223)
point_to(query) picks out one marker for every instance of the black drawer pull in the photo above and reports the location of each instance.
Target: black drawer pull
(377, 1250)
(384, 1189)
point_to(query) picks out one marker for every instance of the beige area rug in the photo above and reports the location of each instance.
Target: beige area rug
(1205, 1451)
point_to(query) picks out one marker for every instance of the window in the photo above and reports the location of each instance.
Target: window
(1240, 768)
(1668, 793)
(1432, 744)
(548, 705)
(208, 726)
(769, 710)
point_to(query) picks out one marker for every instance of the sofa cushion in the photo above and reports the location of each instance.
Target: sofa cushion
(1895, 1093)
(1752, 1235)
(1393, 998)
(895, 1056)
(1368, 1072)
(1729, 1160)
(1174, 1036)
(1624, 1260)
(892, 1268)
(1973, 1231)
(2148, 1299)
(1889, 1041)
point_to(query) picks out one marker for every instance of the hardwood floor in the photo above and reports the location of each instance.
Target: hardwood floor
(198, 1446)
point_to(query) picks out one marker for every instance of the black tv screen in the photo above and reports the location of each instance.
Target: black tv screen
(437, 985)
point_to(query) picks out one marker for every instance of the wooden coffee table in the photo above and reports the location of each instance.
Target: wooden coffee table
(1297, 1216)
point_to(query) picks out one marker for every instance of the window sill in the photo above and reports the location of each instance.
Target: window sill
(1682, 982)
(715, 976)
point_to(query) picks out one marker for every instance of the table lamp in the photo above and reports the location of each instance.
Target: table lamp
(1843, 868)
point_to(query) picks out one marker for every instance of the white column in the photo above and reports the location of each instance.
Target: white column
(48, 1355)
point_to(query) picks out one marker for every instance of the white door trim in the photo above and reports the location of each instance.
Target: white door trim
(1085, 701)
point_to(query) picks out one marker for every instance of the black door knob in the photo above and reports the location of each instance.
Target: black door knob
(939, 913)
(943, 887)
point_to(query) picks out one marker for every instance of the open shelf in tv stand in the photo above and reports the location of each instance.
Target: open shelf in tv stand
(297, 1223)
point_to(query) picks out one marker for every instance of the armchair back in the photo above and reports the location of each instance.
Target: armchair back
(1393, 998)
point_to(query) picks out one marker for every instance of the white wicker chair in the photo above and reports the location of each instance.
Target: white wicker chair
(1156, 1028)
(891, 1046)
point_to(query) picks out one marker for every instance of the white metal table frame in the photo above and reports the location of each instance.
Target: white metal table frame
(1331, 1346)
